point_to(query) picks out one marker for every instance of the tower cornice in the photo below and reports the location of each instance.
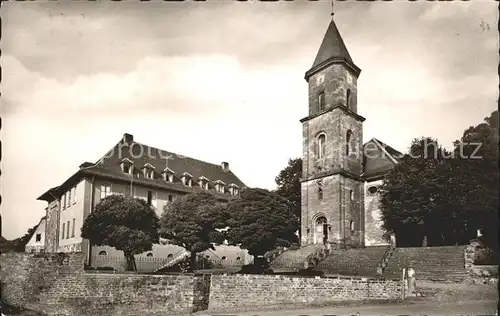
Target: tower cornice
(351, 67)
(338, 106)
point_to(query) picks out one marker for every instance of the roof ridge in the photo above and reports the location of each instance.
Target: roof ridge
(179, 155)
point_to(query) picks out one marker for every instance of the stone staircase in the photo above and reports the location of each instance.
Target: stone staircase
(176, 258)
(294, 260)
(353, 262)
(430, 263)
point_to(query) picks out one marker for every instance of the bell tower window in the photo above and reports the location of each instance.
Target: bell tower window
(348, 99)
(348, 143)
(321, 101)
(321, 146)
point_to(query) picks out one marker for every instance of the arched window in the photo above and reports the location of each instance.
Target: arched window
(149, 254)
(351, 225)
(348, 98)
(321, 145)
(348, 140)
(321, 101)
(103, 253)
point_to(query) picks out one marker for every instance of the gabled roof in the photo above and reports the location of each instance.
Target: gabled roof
(379, 158)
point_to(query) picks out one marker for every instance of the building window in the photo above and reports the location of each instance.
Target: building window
(348, 99)
(126, 168)
(321, 101)
(149, 173)
(351, 225)
(234, 189)
(219, 186)
(348, 142)
(149, 254)
(63, 230)
(150, 198)
(351, 195)
(169, 177)
(38, 237)
(64, 201)
(67, 230)
(170, 256)
(170, 198)
(223, 258)
(372, 190)
(320, 193)
(73, 229)
(74, 195)
(103, 253)
(321, 146)
(69, 197)
(105, 191)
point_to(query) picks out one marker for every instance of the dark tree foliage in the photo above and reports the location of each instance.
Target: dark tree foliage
(190, 221)
(18, 244)
(125, 223)
(445, 196)
(260, 220)
(288, 182)
(413, 195)
(478, 176)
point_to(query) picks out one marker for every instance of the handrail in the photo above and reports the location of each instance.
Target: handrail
(175, 256)
(385, 258)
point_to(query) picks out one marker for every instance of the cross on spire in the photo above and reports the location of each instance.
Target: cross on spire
(333, 12)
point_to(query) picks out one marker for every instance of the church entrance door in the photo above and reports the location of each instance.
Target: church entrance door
(321, 232)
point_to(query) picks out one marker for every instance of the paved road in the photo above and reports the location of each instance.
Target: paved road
(473, 308)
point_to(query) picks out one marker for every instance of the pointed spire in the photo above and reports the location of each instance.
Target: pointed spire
(332, 46)
(332, 50)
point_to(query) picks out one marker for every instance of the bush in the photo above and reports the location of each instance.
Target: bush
(486, 256)
(256, 268)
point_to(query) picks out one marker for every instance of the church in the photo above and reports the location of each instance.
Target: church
(340, 174)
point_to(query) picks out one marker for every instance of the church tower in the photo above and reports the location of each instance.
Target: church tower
(332, 189)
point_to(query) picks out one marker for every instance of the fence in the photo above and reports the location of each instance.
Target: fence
(150, 264)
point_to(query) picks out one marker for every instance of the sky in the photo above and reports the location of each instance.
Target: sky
(224, 81)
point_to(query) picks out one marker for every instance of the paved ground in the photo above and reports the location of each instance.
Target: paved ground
(422, 308)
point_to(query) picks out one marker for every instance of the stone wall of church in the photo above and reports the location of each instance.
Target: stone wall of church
(337, 203)
(373, 221)
(334, 82)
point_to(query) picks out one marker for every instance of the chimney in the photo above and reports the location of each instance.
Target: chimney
(128, 139)
(225, 166)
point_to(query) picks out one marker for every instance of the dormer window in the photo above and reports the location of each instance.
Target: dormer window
(234, 189)
(187, 179)
(220, 186)
(168, 175)
(127, 166)
(203, 182)
(149, 171)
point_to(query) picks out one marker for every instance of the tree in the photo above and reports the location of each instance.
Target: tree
(259, 220)
(190, 221)
(415, 199)
(477, 152)
(288, 182)
(125, 223)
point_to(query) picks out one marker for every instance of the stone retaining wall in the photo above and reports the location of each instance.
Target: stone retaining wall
(229, 291)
